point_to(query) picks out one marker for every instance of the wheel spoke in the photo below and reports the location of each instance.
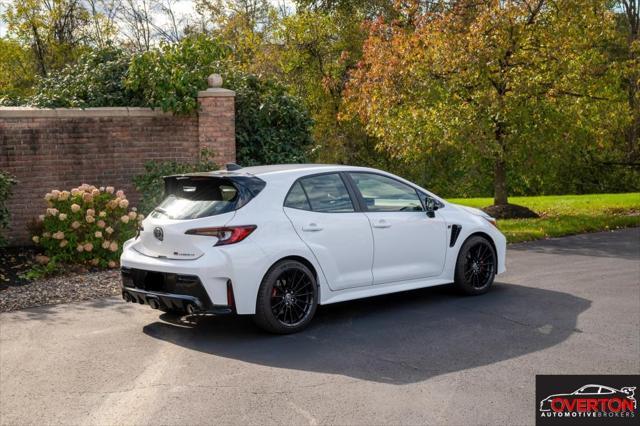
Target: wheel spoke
(293, 297)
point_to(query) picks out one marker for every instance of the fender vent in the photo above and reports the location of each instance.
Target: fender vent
(455, 232)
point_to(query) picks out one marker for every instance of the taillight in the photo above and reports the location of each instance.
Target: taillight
(225, 234)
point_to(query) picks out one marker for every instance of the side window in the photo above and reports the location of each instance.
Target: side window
(327, 193)
(297, 199)
(383, 194)
(589, 389)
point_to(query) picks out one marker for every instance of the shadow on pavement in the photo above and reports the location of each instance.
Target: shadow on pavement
(400, 338)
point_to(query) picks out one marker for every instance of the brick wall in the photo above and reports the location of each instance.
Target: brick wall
(61, 149)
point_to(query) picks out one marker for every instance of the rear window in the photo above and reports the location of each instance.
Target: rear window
(192, 197)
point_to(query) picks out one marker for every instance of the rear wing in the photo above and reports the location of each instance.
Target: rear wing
(248, 186)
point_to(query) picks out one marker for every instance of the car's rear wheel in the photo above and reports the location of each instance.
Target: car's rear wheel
(476, 266)
(287, 299)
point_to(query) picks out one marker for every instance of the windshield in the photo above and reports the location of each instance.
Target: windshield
(192, 197)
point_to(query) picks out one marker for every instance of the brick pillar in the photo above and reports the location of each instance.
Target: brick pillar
(216, 121)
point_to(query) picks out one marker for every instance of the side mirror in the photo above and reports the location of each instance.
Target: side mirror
(431, 206)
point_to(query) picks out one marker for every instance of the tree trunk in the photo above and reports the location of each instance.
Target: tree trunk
(500, 182)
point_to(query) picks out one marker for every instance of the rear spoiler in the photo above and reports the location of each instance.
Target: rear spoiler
(248, 186)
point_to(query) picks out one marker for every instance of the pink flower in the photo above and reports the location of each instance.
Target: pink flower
(63, 243)
(87, 197)
(101, 224)
(120, 193)
(58, 235)
(63, 216)
(98, 234)
(110, 189)
(125, 219)
(80, 248)
(132, 215)
(95, 192)
(46, 234)
(123, 203)
(48, 196)
(140, 216)
(112, 264)
(90, 219)
(52, 211)
(113, 246)
(35, 239)
(64, 195)
(88, 247)
(75, 208)
(109, 230)
(102, 214)
(105, 244)
(91, 212)
(75, 224)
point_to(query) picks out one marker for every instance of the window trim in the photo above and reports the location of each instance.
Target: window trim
(354, 202)
(362, 202)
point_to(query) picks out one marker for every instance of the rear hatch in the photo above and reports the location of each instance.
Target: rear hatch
(193, 202)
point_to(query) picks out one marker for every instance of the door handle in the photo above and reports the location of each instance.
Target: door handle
(312, 227)
(382, 224)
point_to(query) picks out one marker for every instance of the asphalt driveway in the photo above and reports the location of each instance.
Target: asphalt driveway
(569, 305)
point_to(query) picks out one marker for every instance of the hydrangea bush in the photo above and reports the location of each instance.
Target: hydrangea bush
(86, 225)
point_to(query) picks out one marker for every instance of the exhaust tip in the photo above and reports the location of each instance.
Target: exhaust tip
(191, 309)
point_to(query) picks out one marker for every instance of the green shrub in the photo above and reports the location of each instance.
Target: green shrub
(86, 225)
(150, 184)
(271, 126)
(170, 76)
(6, 184)
(97, 79)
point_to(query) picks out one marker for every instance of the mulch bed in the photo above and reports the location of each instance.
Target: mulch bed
(19, 293)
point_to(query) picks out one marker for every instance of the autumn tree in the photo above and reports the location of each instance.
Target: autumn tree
(630, 20)
(508, 80)
(53, 29)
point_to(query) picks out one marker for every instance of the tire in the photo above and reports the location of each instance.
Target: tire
(287, 299)
(476, 266)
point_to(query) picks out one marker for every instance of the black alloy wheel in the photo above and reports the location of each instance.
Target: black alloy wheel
(476, 266)
(287, 299)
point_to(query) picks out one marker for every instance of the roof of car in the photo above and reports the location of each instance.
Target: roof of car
(277, 168)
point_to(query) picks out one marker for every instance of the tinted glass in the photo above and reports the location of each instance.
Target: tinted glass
(194, 197)
(383, 194)
(297, 199)
(327, 194)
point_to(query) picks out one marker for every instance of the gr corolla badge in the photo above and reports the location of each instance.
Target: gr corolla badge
(277, 241)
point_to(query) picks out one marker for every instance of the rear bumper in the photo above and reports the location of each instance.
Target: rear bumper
(170, 291)
(178, 302)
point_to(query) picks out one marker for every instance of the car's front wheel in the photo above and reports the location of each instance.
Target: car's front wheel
(476, 266)
(287, 299)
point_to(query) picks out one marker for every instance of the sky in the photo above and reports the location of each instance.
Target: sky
(183, 9)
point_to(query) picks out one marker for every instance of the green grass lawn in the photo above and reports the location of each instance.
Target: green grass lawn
(566, 214)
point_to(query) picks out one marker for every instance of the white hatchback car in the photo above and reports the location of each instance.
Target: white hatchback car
(277, 241)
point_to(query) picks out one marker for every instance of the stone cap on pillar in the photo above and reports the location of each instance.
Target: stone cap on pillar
(214, 81)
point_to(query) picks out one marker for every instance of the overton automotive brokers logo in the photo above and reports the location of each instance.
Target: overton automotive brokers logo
(586, 400)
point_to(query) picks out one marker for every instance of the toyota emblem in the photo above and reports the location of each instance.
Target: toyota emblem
(158, 233)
